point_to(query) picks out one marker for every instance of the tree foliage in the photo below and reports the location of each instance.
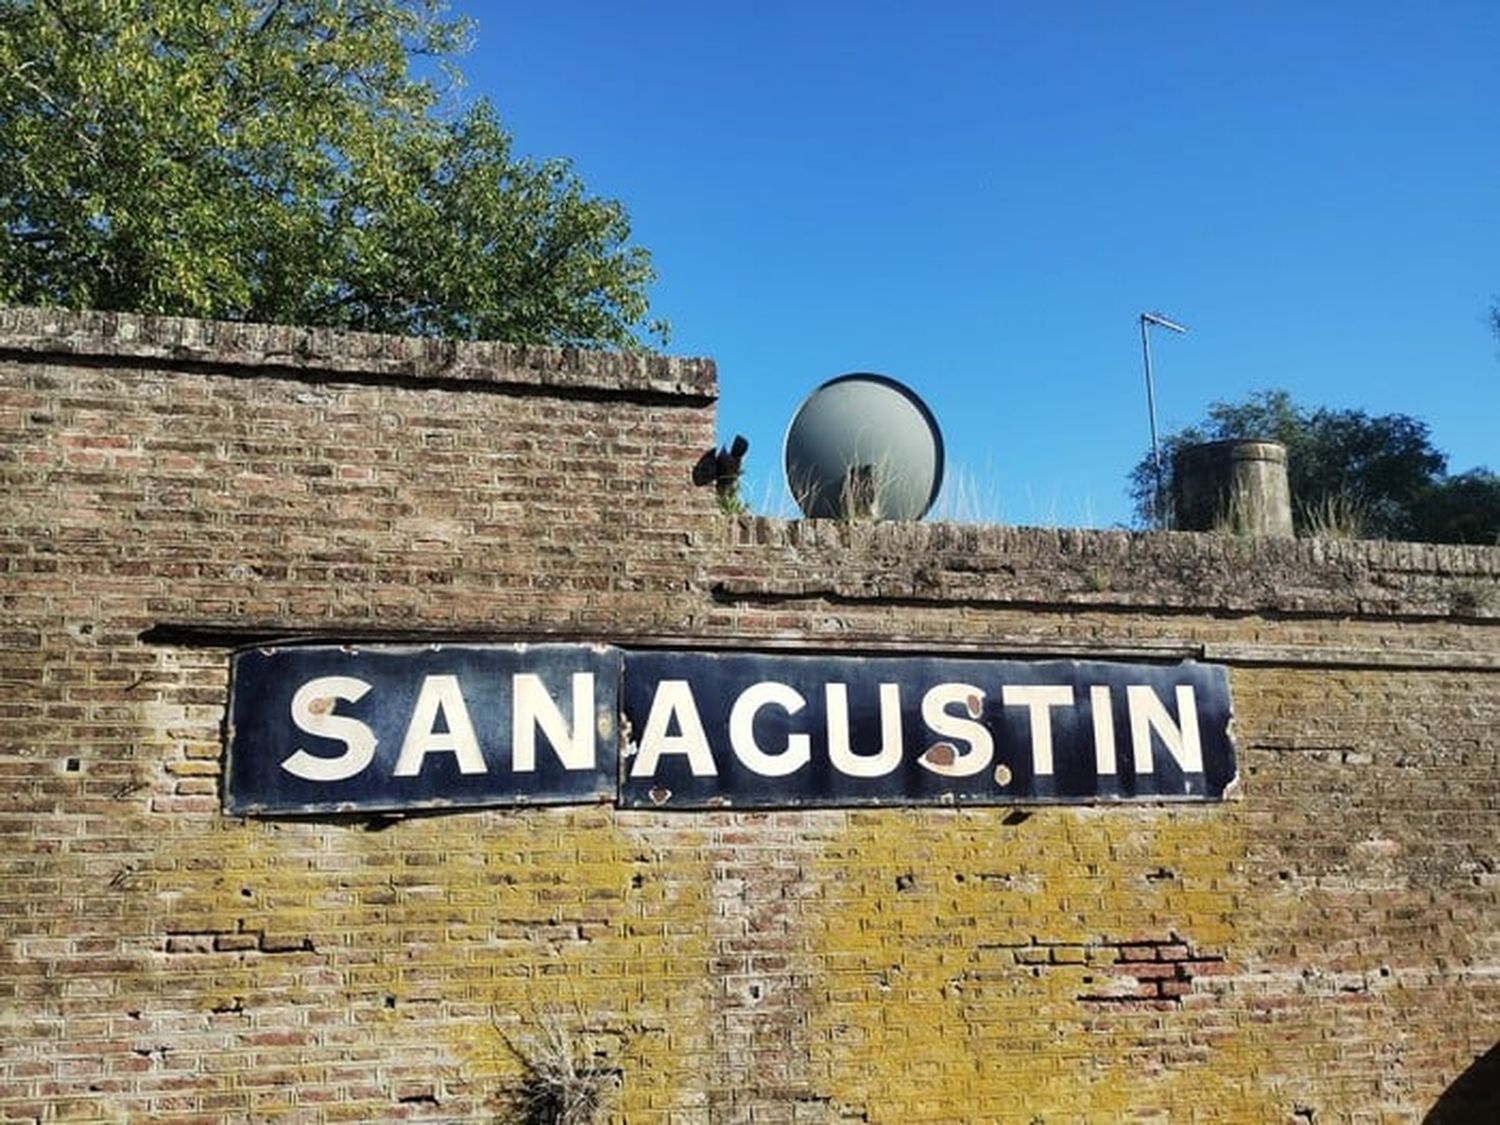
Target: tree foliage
(1377, 476)
(1460, 509)
(282, 160)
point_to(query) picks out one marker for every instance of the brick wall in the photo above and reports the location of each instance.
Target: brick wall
(1325, 947)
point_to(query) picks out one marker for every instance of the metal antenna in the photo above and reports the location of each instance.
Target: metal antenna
(1158, 509)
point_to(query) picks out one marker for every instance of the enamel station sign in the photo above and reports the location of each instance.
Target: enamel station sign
(324, 728)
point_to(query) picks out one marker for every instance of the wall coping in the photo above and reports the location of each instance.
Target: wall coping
(173, 341)
(773, 559)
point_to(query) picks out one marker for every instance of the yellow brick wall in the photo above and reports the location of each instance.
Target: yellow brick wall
(1323, 947)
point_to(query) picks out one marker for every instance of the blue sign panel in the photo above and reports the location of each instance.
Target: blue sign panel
(759, 731)
(323, 728)
(336, 729)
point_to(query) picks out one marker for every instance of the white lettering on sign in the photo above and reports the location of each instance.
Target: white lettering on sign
(798, 751)
(969, 731)
(440, 723)
(312, 712)
(1101, 705)
(674, 703)
(843, 756)
(1148, 713)
(970, 748)
(439, 694)
(533, 708)
(1040, 699)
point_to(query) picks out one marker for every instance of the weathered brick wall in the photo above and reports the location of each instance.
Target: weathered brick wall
(1325, 947)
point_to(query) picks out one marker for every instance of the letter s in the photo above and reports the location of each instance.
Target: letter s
(312, 711)
(941, 721)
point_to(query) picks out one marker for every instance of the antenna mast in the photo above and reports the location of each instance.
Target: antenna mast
(1158, 509)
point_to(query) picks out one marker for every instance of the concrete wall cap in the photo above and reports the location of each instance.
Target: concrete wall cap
(170, 341)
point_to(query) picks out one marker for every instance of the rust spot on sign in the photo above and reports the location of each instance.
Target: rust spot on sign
(320, 706)
(975, 703)
(1002, 774)
(940, 755)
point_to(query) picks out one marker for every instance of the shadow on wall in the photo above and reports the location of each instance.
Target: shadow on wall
(1473, 1097)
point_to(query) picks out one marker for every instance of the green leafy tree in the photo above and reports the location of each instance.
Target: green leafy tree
(281, 160)
(1461, 509)
(1376, 476)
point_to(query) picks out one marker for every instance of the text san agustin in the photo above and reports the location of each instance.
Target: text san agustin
(704, 717)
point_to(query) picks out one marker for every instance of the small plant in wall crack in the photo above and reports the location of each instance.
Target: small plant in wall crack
(1096, 579)
(569, 1072)
(1339, 516)
(861, 489)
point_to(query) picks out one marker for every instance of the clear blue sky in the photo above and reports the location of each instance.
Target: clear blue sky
(979, 198)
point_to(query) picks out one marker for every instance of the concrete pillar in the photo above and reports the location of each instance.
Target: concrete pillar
(1238, 487)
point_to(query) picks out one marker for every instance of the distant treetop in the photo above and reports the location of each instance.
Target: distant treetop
(1350, 473)
(279, 160)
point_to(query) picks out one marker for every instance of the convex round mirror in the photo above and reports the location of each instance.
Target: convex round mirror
(864, 446)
